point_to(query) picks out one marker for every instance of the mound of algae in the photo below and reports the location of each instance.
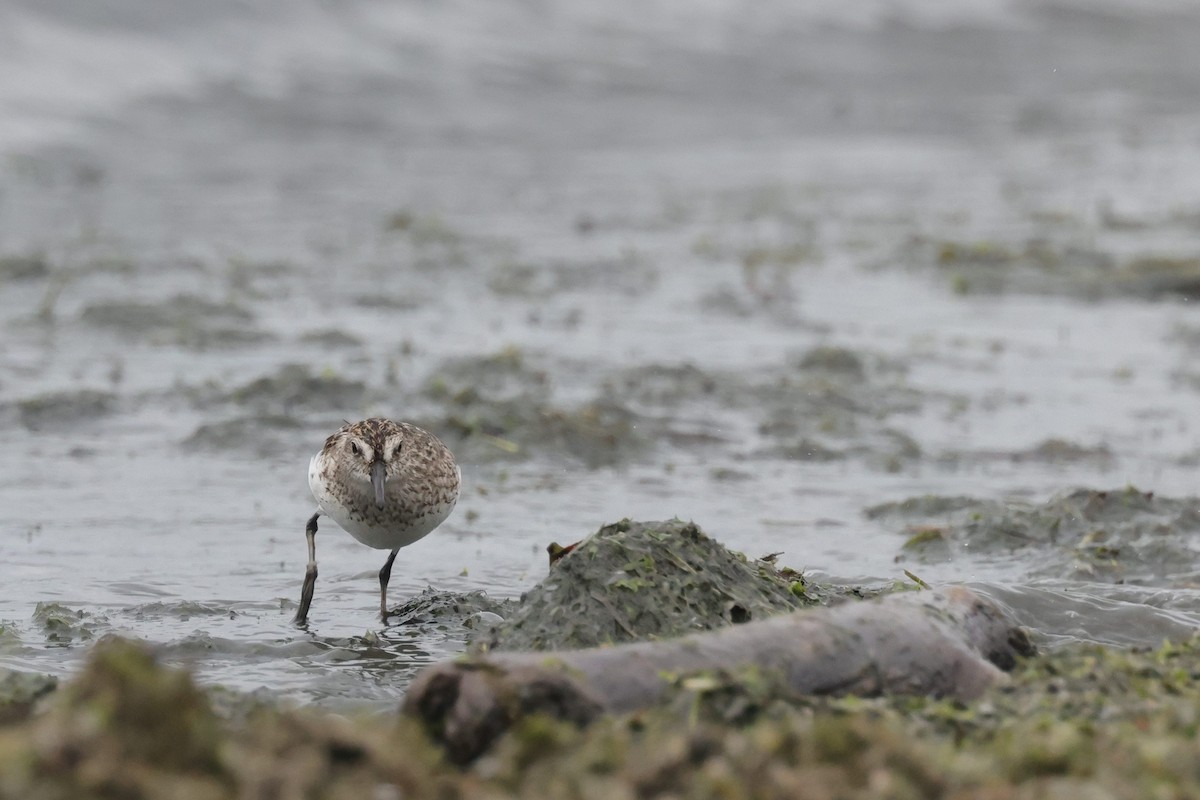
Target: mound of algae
(1080, 722)
(632, 581)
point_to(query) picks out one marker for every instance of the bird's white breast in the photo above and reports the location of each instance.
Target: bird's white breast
(365, 526)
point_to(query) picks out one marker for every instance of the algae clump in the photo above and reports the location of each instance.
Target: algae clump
(633, 580)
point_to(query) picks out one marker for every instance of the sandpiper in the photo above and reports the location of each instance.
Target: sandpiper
(385, 483)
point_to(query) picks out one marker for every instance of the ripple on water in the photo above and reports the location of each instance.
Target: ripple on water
(182, 610)
(201, 643)
(1122, 616)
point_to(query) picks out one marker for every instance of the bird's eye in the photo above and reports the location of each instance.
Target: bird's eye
(396, 452)
(354, 448)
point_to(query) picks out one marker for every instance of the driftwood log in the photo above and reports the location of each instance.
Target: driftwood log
(950, 643)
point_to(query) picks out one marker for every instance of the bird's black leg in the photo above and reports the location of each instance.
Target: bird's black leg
(385, 575)
(310, 574)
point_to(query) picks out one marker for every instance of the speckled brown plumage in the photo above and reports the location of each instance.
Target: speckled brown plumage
(385, 483)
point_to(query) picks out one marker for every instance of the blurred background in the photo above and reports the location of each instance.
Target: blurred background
(763, 265)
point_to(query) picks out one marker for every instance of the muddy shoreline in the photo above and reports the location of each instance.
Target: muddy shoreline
(1070, 719)
(1081, 719)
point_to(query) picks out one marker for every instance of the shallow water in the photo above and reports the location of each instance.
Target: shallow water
(628, 233)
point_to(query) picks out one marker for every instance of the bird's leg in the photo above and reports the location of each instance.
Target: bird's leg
(385, 575)
(310, 573)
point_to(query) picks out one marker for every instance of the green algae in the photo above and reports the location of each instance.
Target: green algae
(23, 267)
(1161, 275)
(21, 691)
(1054, 266)
(831, 359)
(125, 691)
(184, 321)
(631, 581)
(1063, 725)
(500, 408)
(263, 434)
(61, 408)
(1083, 721)
(332, 338)
(922, 537)
(295, 386)
(178, 314)
(1124, 535)
(10, 638)
(64, 626)
(129, 727)
(1052, 450)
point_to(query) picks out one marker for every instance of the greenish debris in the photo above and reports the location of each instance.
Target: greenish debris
(632, 584)
(265, 434)
(20, 691)
(977, 252)
(60, 408)
(10, 639)
(1061, 451)
(294, 386)
(1118, 535)
(632, 581)
(516, 279)
(399, 221)
(1157, 275)
(182, 311)
(916, 580)
(922, 537)
(433, 231)
(786, 255)
(23, 267)
(331, 337)
(1083, 721)
(1043, 265)
(834, 359)
(498, 407)
(64, 626)
(187, 321)
(159, 714)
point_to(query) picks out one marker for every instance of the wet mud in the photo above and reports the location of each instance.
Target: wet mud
(185, 321)
(1056, 267)
(65, 408)
(499, 408)
(1118, 536)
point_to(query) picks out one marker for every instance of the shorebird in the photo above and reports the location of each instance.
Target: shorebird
(385, 483)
